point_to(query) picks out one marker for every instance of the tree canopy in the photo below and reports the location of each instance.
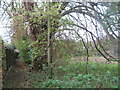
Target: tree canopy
(46, 21)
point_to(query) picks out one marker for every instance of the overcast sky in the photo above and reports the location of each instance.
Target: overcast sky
(4, 31)
(4, 21)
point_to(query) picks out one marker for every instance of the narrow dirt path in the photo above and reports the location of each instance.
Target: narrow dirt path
(17, 76)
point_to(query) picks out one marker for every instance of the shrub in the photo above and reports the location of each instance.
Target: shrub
(2, 57)
(10, 46)
(24, 50)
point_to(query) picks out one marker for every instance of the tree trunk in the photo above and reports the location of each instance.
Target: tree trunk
(40, 29)
(36, 29)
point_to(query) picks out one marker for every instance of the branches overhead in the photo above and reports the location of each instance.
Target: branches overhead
(97, 15)
(89, 17)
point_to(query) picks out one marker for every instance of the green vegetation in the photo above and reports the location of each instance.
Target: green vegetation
(23, 47)
(2, 56)
(62, 44)
(72, 75)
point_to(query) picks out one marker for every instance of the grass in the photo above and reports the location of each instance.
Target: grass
(72, 74)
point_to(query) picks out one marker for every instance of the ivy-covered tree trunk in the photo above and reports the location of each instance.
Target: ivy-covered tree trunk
(38, 32)
(38, 26)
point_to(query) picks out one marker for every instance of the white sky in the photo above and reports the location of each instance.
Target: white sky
(4, 21)
(4, 31)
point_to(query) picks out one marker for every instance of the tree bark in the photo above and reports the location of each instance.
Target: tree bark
(36, 29)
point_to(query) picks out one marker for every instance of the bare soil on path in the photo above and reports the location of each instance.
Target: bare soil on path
(17, 76)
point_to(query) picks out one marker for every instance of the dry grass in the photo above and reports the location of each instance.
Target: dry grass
(94, 59)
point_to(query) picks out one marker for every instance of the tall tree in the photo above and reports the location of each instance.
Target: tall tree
(37, 19)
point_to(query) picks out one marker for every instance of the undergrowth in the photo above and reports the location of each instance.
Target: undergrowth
(73, 75)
